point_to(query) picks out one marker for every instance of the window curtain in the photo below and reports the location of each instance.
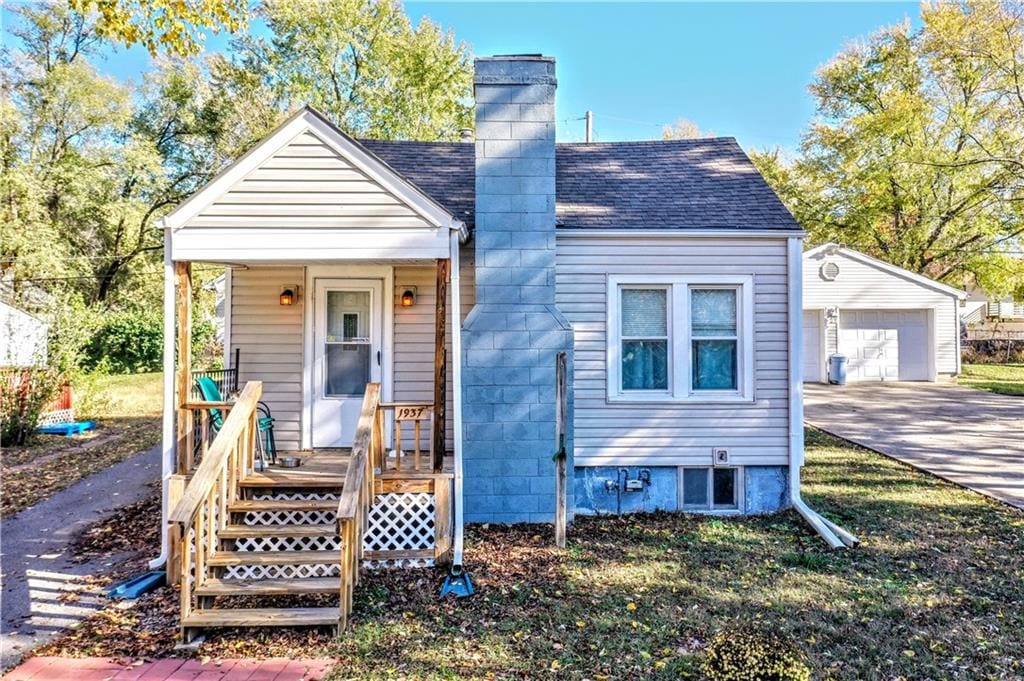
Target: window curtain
(645, 344)
(713, 329)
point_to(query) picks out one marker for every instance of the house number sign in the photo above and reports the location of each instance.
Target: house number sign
(412, 413)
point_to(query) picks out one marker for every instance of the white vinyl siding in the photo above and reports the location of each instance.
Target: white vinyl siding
(269, 337)
(676, 433)
(861, 286)
(307, 184)
(307, 202)
(414, 337)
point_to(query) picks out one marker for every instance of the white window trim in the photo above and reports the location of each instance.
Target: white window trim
(741, 494)
(680, 362)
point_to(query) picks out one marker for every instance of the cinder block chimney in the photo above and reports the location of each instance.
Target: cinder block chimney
(513, 334)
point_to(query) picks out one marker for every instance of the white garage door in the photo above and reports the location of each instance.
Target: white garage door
(885, 345)
(813, 367)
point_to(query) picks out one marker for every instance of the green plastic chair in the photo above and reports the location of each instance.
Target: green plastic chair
(265, 423)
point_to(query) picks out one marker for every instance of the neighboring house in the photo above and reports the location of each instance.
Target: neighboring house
(218, 286)
(891, 324)
(22, 338)
(981, 311)
(454, 275)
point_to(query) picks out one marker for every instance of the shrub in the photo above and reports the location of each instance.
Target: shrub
(127, 342)
(132, 341)
(749, 653)
(24, 395)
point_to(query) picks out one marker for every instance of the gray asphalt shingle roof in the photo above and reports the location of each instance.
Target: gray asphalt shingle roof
(680, 184)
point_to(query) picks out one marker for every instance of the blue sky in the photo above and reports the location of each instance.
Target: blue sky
(738, 69)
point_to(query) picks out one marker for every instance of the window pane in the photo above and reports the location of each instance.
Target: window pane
(714, 365)
(348, 368)
(724, 482)
(348, 315)
(644, 312)
(695, 487)
(645, 365)
(713, 312)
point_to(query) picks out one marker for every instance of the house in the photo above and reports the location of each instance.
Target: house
(984, 312)
(891, 324)
(403, 309)
(23, 338)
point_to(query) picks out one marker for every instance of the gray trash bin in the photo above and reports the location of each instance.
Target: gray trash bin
(837, 369)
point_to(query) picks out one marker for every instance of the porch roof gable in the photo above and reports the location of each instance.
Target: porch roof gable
(308, 125)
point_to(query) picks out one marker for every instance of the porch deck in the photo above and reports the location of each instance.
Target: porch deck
(327, 468)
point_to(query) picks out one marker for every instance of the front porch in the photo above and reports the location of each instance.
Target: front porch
(342, 307)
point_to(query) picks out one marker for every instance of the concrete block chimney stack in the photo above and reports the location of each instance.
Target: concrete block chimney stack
(512, 336)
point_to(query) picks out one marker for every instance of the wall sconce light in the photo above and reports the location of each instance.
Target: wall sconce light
(408, 296)
(289, 294)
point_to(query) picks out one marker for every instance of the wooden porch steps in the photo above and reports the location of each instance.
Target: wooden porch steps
(262, 617)
(231, 558)
(311, 481)
(256, 505)
(262, 531)
(269, 587)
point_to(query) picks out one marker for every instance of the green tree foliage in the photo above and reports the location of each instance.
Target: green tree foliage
(363, 64)
(90, 164)
(174, 27)
(917, 153)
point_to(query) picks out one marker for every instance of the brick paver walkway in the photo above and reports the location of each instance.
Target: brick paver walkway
(175, 669)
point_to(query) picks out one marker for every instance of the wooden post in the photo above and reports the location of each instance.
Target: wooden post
(561, 409)
(175, 489)
(183, 373)
(440, 315)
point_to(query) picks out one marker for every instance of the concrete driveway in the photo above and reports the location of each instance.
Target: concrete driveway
(971, 437)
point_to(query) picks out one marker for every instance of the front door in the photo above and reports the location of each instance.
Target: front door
(347, 331)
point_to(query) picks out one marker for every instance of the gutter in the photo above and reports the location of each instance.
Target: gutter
(167, 413)
(834, 535)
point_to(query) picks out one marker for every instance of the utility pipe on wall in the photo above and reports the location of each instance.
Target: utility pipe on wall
(836, 536)
(456, 325)
(167, 425)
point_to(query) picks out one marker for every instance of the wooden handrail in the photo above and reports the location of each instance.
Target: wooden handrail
(357, 495)
(209, 405)
(348, 504)
(212, 465)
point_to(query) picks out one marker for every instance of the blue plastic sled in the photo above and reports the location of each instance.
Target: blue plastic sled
(67, 429)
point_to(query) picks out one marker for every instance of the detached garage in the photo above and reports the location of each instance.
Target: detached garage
(892, 324)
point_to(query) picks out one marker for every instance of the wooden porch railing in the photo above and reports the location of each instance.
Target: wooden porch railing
(202, 512)
(357, 494)
(416, 413)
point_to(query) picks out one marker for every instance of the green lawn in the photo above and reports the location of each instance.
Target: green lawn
(1006, 379)
(936, 591)
(127, 411)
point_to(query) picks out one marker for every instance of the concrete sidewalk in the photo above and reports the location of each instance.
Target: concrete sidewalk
(971, 437)
(39, 595)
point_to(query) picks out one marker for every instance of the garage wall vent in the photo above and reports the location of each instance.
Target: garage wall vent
(829, 271)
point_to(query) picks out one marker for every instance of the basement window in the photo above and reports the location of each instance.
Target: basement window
(710, 489)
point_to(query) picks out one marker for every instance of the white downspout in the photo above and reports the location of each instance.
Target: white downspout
(456, 326)
(836, 536)
(167, 437)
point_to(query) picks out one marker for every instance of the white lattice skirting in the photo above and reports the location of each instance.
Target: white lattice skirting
(396, 522)
(400, 522)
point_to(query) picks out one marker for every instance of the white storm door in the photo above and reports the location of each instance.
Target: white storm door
(347, 329)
